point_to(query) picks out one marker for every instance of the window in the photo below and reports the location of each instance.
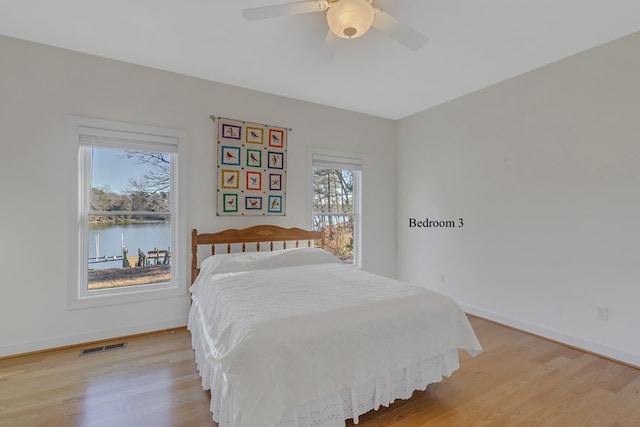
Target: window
(336, 204)
(126, 226)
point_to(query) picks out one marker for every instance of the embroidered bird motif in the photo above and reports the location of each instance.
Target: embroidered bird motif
(253, 157)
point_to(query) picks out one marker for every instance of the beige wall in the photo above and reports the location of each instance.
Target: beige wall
(545, 171)
(41, 86)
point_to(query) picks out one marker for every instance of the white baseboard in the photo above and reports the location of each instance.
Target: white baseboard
(589, 346)
(106, 334)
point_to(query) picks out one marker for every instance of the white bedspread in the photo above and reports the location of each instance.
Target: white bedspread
(291, 335)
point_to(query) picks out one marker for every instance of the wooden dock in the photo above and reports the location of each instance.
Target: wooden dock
(153, 257)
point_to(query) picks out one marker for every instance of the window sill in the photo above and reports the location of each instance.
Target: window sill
(116, 296)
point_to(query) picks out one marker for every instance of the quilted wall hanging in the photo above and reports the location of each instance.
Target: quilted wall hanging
(252, 168)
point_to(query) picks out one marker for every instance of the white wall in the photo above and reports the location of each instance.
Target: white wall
(40, 86)
(545, 171)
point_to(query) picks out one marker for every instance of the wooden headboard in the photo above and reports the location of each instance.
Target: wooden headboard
(256, 234)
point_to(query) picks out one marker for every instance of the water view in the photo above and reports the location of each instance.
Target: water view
(108, 240)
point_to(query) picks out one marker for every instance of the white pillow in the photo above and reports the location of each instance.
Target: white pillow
(211, 263)
(248, 261)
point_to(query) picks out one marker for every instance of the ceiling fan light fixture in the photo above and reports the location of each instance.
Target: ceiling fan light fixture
(350, 18)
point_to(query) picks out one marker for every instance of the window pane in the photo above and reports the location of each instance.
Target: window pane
(332, 190)
(130, 180)
(333, 210)
(127, 250)
(129, 221)
(338, 234)
(334, 207)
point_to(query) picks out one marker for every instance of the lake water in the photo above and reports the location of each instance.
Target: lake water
(111, 237)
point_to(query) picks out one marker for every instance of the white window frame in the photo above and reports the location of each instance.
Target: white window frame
(330, 159)
(84, 133)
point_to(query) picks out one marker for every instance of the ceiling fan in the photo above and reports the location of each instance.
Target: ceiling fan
(348, 19)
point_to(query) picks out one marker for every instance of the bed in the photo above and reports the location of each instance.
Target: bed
(289, 336)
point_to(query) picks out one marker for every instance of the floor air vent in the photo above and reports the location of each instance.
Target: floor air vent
(103, 348)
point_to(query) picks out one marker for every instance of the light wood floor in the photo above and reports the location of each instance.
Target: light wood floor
(519, 380)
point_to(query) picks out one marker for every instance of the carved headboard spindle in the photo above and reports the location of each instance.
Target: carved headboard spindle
(257, 234)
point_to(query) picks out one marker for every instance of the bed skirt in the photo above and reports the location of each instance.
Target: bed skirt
(332, 410)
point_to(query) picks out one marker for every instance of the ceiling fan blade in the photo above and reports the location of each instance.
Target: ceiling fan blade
(409, 37)
(286, 9)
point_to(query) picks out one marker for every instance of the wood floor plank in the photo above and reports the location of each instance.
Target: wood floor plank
(508, 396)
(519, 380)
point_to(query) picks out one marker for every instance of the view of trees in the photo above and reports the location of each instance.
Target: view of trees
(149, 193)
(158, 178)
(103, 199)
(333, 210)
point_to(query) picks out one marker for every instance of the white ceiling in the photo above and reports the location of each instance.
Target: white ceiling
(472, 44)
